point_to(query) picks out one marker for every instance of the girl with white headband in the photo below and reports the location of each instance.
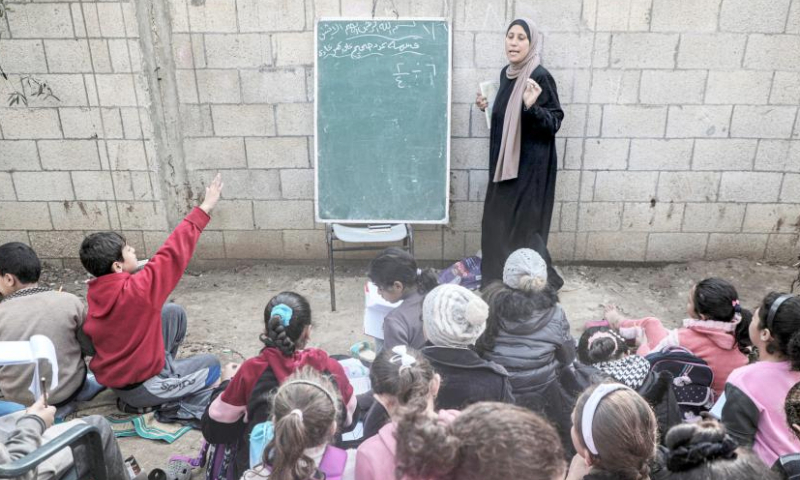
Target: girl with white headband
(615, 434)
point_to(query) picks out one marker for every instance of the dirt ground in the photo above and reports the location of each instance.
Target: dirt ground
(225, 308)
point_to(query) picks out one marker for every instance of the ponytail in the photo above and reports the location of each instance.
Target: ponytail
(404, 374)
(287, 450)
(397, 265)
(427, 280)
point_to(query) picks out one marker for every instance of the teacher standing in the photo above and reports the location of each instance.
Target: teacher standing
(525, 117)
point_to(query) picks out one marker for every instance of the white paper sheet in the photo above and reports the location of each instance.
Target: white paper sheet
(375, 310)
(37, 348)
(489, 90)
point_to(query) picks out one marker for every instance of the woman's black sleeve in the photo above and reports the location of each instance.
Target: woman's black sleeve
(546, 113)
(740, 416)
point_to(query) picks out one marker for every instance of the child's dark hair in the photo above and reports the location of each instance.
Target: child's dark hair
(408, 384)
(625, 434)
(792, 408)
(21, 261)
(508, 306)
(785, 327)
(717, 299)
(304, 410)
(397, 265)
(277, 334)
(488, 441)
(601, 344)
(100, 250)
(701, 450)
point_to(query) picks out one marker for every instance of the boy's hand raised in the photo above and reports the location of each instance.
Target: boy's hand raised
(213, 192)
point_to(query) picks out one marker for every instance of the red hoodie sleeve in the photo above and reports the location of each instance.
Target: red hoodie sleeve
(341, 380)
(161, 274)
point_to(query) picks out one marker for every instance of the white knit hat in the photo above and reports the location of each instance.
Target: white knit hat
(453, 316)
(526, 270)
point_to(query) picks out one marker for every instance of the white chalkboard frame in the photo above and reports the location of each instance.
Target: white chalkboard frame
(446, 219)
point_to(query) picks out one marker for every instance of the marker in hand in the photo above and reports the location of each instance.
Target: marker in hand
(44, 390)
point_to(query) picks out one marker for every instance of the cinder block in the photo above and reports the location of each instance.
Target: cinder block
(40, 20)
(574, 123)
(252, 245)
(647, 217)
(196, 120)
(772, 218)
(182, 51)
(294, 48)
(453, 245)
(7, 236)
(126, 155)
(688, 186)
(568, 50)
(186, 83)
(725, 245)
(624, 15)
(101, 57)
(463, 49)
(68, 88)
(793, 22)
(478, 183)
(615, 86)
(676, 247)
(606, 154)
(790, 192)
(129, 15)
(211, 246)
(750, 187)
(480, 15)
(214, 153)
(778, 155)
(724, 154)
(459, 119)
(123, 186)
(247, 50)
(63, 244)
(232, 215)
(786, 88)
(600, 217)
(467, 216)
(488, 53)
(213, 16)
(685, 15)
(428, 245)
(711, 50)
(295, 118)
(270, 15)
(141, 216)
(770, 52)
(763, 121)
(698, 121)
(241, 184)
(143, 183)
(594, 120)
(281, 152)
(675, 87)
(30, 123)
(69, 154)
(79, 215)
(552, 15)
(615, 246)
(18, 155)
(116, 90)
(284, 215)
(322, 8)
(22, 56)
(743, 86)
(135, 123)
(585, 192)
(782, 248)
(570, 153)
(625, 186)
(93, 185)
(297, 184)
(469, 153)
(713, 217)
(43, 186)
(568, 186)
(459, 185)
(261, 86)
(81, 122)
(465, 82)
(179, 15)
(561, 246)
(217, 86)
(643, 50)
(634, 121)
(243, 120)
(25, 216)
(112, 24)
(121, 58)
(602, 50)
(656, 154)
(306, 244)
(569, 217)
(6, 187)
(764, 16)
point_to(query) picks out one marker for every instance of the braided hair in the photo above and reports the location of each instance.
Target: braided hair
(286, 337)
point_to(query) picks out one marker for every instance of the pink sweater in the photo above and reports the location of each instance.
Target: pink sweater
(710, 340)
(375, 457)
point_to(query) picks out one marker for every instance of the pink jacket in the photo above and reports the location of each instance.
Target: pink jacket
(375, 457)
(710, 340)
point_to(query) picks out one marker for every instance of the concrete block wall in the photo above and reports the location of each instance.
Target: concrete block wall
(681, 139)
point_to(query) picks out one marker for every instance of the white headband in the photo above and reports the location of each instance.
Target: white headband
(591, 407)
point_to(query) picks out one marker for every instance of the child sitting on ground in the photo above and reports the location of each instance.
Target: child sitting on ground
(487, 441)
(245, 400)
(753, 412)
(401, 378)
(305, 410)
(615, 434)
(395, 274)
(29, 309)
(135, 335)
(709, 332)
(453, 319)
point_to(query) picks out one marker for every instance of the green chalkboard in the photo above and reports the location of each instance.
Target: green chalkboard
(382, 120)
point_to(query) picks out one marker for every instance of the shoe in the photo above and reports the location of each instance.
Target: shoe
(125, 408)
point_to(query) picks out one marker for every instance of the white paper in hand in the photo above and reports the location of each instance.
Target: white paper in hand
(37, 348)
(489, 90)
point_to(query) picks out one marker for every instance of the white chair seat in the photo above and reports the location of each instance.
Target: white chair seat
(395, 233)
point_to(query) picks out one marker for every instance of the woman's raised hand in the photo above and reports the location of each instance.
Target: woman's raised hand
(531, 93)
(481, 102)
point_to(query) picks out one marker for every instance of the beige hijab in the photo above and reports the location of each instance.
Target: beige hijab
(508, 158)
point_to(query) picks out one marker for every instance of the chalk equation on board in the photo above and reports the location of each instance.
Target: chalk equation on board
(414, 75)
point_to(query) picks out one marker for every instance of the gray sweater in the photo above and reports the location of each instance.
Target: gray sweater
(403, 325)
(20, 439)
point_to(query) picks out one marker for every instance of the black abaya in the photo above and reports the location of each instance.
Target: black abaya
(517, 213)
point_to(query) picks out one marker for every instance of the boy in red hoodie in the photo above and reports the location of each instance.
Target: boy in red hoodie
(135, 335)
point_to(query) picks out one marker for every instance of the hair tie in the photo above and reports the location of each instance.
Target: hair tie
(590, 408)
(774, 309)
(402, 356)
(690, 456)
(313, 384)
(297, 412)
(284, 312)
(603, 334)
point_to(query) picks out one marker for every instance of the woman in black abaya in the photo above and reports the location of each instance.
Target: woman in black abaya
(522, 156)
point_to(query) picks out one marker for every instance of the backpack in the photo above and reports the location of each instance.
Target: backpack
(692, 379)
